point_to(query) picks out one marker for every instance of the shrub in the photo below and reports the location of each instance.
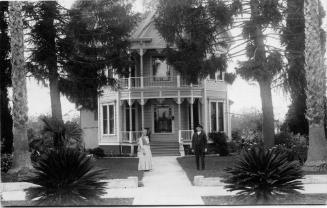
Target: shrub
(263, 173)
(97, 152)
(220, 142)
(6, 162)
(65, 177)
(296, 146)
(233, 146)
(236, 134)
(54, 134)
(188, 150)
(67, 134)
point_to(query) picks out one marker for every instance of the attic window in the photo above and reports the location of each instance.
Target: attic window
(160, 69)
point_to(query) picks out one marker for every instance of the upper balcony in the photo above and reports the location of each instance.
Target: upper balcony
(173, 82)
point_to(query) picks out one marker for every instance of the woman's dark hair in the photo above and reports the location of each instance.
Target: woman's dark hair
(148, 133)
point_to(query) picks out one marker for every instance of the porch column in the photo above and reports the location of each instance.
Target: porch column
(181, 147)
(142, 115)
(130, 126)
(205, 108)
(118, 117)
(192, 119)
(141, 66)
(179, 114)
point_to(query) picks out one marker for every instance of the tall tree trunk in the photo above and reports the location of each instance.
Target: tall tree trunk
(21, 159)
(316, 86)
(55, 94)
(267, 113)
(53, 70)
(265, 89)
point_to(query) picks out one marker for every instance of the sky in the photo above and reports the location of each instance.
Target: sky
(245, 95)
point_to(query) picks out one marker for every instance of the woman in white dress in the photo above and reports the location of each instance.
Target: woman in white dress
(144, 152)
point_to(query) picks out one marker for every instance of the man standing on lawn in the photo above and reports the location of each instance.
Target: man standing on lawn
(199, 146)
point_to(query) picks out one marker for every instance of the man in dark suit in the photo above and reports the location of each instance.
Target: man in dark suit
(199, 146)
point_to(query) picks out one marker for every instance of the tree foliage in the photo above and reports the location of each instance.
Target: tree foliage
(95, 46)
(295, 82)
(46, 20)
(194, 31)
(6, 134)
(264, 61)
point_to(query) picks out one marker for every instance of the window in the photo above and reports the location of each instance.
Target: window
(212, 75)
(221, 116)
(163, 118)
(217, 116)
(160, 69)
(108, 119)
(105, 119)
(213, 117)
(220, 75)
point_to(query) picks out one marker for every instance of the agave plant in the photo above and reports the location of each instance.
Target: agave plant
(262, 173)
(65, 177)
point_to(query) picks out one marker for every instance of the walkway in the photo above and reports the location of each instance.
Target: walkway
(167, 184)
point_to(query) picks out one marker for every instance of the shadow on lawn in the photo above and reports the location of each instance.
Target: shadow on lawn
(215, 166)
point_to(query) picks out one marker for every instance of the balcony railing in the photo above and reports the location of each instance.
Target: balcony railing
(185, 136)
(130, 136)
(154, 82)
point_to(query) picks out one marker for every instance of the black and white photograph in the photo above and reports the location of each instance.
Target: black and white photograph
(154, 103)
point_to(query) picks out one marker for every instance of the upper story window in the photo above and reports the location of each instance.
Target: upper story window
(219, 75)
(160, 69)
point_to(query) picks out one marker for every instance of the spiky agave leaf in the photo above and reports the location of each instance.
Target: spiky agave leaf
(65, 177)
(263, 173)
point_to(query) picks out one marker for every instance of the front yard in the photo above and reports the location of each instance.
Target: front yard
(215, 166)
(119, 168)
(116, 168)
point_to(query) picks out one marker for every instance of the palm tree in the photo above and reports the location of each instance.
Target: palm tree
(21, 159)
(316, 86)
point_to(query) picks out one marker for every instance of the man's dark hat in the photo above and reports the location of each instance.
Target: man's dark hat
(199, 125)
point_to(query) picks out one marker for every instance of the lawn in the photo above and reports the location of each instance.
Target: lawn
(312, 199)
(103, 202)
(119, 168)
(214, 166)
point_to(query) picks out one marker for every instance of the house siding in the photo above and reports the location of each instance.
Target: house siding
(90, 128)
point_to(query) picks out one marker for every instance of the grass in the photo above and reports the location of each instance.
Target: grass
(117, 168)
(215, 166)
(312, 199)
(104, 202)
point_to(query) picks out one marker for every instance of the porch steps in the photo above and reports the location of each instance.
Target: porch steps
(165, 148)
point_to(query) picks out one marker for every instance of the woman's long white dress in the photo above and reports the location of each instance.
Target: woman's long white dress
(144, 154)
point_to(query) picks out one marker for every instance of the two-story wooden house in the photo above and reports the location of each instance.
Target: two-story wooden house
(156, 97)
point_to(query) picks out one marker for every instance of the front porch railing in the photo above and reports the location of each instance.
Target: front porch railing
(185, 136)
(154, 82)
(130, 136)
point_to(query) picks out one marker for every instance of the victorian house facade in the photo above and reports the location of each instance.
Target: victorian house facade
(156, 97)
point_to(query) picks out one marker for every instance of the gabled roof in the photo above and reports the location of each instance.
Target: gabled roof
(146, 34)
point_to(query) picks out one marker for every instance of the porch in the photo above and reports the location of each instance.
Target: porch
(169, 123)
